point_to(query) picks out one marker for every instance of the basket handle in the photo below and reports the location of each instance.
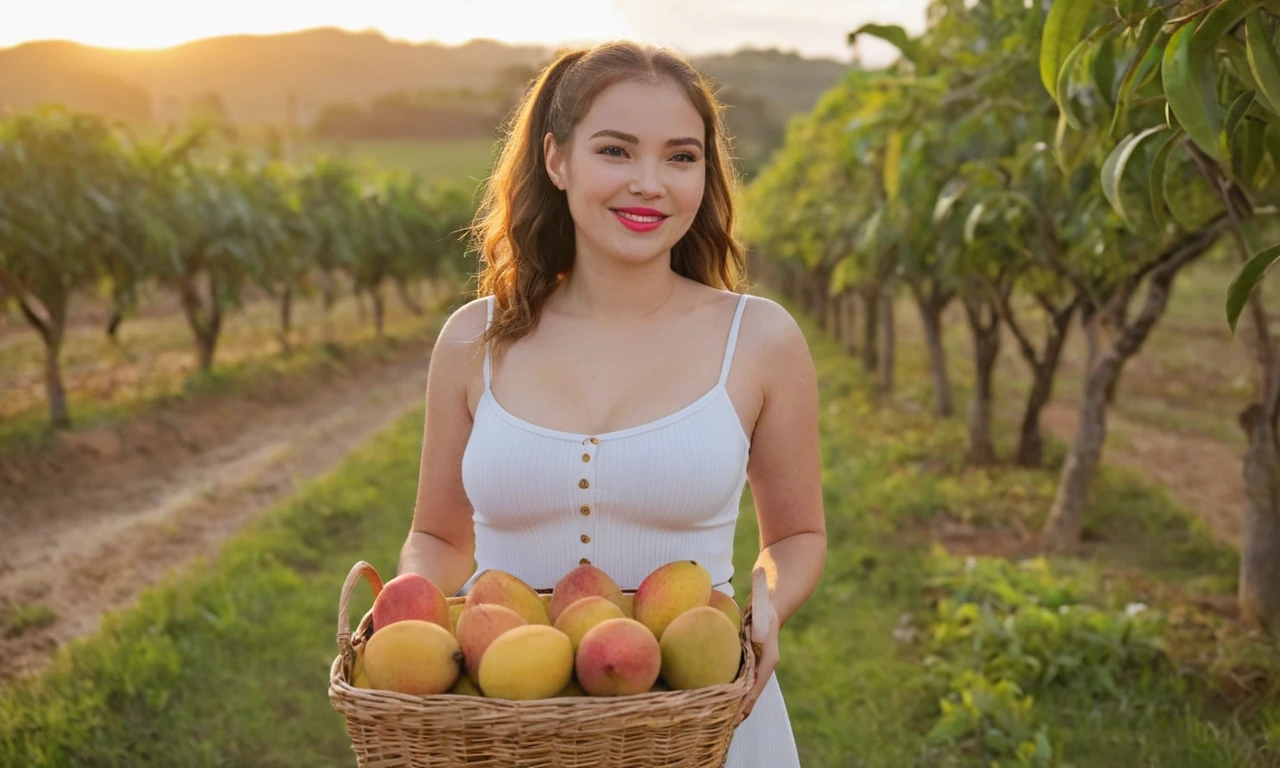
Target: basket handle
(344, 605)
(760, 610)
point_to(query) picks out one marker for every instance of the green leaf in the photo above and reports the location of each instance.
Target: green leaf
(1145, 56)
(1247, 142)
(892, 34)
(1242, 286)
(1062, 30)
(1190, 86)
(892, 166)
(1114, 167)
(1264, 62)
(1065, 103)
(1156, 181)
(971, 222)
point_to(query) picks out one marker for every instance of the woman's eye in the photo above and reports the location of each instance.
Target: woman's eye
(620, 152)
(685, 157)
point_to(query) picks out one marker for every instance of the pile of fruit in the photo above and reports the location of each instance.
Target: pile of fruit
(587, 638)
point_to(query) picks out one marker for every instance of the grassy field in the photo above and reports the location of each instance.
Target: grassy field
(155, 360)
(457, 160)
(906, 656)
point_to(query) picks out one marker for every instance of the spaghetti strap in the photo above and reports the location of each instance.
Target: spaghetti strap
(733, 341)
(488, 322)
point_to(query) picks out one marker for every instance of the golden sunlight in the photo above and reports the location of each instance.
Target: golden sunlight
(151, 24)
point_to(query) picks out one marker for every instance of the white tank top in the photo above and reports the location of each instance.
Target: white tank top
(628, 501)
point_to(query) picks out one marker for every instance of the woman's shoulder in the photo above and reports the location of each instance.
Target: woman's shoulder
(769, 327)
(461, 335)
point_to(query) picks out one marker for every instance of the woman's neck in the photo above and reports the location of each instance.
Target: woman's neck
(613, 294)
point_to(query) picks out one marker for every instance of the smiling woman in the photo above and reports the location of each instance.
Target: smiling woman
(631, 391)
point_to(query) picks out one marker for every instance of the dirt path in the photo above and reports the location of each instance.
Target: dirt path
(111, 512)
(1200, 473)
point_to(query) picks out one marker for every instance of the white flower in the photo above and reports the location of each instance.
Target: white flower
(1133, 609)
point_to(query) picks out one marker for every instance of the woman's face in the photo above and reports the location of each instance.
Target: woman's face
(634, 171)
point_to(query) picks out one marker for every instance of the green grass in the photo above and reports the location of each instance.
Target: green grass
(26, 616)
(461, 160)
(228, 665)
(155, 363)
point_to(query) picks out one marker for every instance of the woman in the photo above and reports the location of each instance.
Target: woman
(609, 396)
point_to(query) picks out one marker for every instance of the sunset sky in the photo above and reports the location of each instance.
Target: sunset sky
(812, 27)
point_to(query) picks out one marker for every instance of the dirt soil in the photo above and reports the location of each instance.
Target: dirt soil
(86, 526)
(1201, 474)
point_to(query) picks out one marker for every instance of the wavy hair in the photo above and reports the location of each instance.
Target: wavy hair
(522, 228)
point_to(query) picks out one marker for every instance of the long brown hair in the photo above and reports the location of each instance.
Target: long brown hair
(523, 229)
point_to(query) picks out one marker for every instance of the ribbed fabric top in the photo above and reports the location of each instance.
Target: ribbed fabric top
(627, 501)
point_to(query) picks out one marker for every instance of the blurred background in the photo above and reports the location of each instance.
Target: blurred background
(1026, 239)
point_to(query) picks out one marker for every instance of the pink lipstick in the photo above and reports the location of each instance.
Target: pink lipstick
(639, 219)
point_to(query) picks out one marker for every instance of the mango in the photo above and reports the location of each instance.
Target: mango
(629, 604)
(478, 626)
(570, 690)
(454, 610)
(584, 614)
(464, 687)
(726, 604)
(618, 657)
(502, 588)
(530, 662)
(410, 596)
(358, 677)
(700, 648)
(669, 591)
(583, 581)
(413, 656)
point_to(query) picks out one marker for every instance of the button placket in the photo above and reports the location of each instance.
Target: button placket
(586, 507)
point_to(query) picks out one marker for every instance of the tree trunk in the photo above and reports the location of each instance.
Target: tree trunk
(849, 322)
(1044, 370)
(379, 312)
(830, 323)
(1066, 516)
(1259, 590)
(407, 299)
(931, 318)
(51, 327)
(113, 324)
(870, 329)
(889, 348)
(984, 327)
(286, 318)
(205, 323)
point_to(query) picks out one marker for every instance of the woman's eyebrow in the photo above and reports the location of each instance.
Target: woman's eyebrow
(619, 135)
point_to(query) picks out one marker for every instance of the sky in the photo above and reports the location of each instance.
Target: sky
(810, 27)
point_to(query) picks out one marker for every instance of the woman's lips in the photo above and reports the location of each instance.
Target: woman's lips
(639, 219)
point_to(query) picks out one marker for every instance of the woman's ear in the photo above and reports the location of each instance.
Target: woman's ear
(555, 160)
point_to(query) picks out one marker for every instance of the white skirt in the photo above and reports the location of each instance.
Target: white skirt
(764, 739)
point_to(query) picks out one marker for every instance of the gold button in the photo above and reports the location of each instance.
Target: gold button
(586, 539)
(583, 483)
(595, 441)
(585, 510)
(586, 457)
(584, 561)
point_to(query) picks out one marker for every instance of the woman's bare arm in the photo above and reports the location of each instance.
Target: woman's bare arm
(441, 541)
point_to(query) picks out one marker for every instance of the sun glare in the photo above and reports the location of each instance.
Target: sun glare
(150, 24)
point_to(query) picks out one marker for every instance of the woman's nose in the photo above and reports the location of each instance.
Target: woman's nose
(647, 181)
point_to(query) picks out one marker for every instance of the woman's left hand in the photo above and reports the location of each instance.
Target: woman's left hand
(766, 661)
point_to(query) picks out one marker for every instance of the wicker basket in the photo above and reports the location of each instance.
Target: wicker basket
(689, 729)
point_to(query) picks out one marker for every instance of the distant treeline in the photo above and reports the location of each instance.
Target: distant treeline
(455, 114)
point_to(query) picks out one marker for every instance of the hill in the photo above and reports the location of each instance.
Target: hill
(255, 76)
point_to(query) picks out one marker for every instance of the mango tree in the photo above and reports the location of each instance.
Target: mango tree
(1186, 102)
(57, 172)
